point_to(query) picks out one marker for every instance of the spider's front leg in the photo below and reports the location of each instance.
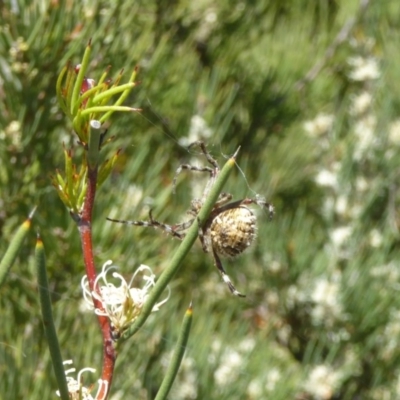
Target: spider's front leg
(212, 171)
(172, 230)
(209, 157)
(189, 168)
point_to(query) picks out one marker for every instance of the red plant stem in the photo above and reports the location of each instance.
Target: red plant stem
(85, 231)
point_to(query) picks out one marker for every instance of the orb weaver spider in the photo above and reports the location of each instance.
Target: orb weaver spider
(230, 228)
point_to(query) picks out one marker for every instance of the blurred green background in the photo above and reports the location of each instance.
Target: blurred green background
(310, 90)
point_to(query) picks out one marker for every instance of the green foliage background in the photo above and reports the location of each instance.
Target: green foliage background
(321, 318)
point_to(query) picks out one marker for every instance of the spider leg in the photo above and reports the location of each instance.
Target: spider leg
(223, 199)
(204, 245)
(212, 171)
(260, 201)
(189, 168)
(172, 230)
(225, 276)
(210, 159)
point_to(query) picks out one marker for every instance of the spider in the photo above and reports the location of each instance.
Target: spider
(230, 228)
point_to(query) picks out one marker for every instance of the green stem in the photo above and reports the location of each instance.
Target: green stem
(177, 356)
(183, 249)
(48, 321)
(94, 144)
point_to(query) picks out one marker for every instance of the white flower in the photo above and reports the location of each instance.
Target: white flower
(322, 382)
(375, 238)
(227, 372)
(79, 392)
(320, 125)
(340, 235)
(199, 129)
(342, 205)
(361, 103)
(364, 131)
(326, 296)
(267, 383)
(362, 185)
(120, 303)
(394, 132)
(389, 272)
(14, 133)
(326, 178)
(364, 68)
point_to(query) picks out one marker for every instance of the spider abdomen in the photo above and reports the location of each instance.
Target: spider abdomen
(233, 231)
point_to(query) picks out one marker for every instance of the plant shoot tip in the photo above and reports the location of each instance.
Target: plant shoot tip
(236, 153)
(31, 214)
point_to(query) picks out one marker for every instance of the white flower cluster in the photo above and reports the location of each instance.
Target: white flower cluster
(121, 301)
(76, 389)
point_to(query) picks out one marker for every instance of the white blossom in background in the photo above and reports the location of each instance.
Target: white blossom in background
(259, 386)
(274, 266)
(361, 103)
(231, 364)
(340, 235)
(133, 195)
(327, 178)
(394, 132)
(320, 125)
(273, 377)
(75, 388)
(207, 24)
(326, 297)
(389, 272)
(296, 294)
(247, 345)
(364, 68)
(328, 206)
(121, 303)
(255, 389)
(199, 130)
(322, 382)
(13, 132)
(362, 185)
(364, 131)
(342, 205)
(375, 238)
(389, 339)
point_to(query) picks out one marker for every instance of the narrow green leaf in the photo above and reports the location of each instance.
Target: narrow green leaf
(106, 95)
(176, 359)
(59, 90)
(13, 248)
(79, 80)
(48, 321)
(101, 109)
